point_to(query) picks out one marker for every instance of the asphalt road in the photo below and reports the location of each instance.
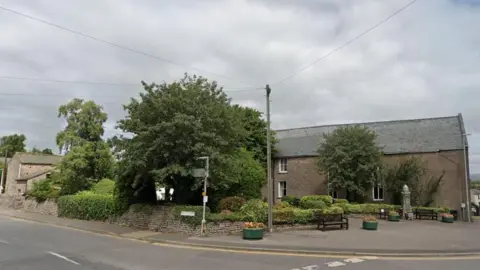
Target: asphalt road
(27, 245)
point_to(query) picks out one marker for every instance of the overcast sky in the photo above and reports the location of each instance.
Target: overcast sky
(424, 62)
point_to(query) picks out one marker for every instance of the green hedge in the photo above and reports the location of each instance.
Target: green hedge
(288, 199)
(328, 200)
(87, 206)
(231, 203)
(313, 204)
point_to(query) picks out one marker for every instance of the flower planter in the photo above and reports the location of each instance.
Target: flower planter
(447, 219)
(394, 218)
(253, 233)
(370, 225)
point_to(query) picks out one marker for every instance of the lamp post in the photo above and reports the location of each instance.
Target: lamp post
(467, 181)
(204, 194)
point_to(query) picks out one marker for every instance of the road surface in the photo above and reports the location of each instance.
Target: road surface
(26, 245)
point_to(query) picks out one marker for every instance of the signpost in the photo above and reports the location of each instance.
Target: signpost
(204, 173)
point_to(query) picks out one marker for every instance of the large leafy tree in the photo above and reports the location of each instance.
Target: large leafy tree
(11, 144)
(255, 140)
(88, 157)
(172, 125)
(351, 158)
(46, 151)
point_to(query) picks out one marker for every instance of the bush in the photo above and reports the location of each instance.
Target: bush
(281, 205)
(87, 206)
(313, 204)
(435, 209)
(254, 210)
(286, 215)
(328, 200)
(104, 186)
(43, 190)
(289, 199)
(332, 210)
(219, 217)
(231, 203)
(303, 216)
(341, 201)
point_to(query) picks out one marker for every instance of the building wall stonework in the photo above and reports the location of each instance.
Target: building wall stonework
(49, 207)
(303, 178)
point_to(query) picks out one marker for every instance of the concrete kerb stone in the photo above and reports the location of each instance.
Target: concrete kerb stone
(404, 253)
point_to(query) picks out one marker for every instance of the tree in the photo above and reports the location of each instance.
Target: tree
(84, 123)
(46, 151)
(411, 172)
(11, 144)
(255, 140)
(88, 157)
(351, 158)
(172, 125)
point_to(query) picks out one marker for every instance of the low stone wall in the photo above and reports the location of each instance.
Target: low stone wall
(45, 208)
(12, 202)
(159, 219)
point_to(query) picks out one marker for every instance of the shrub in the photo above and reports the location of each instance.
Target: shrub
(333, 210)
(313, 204)
(43, 190)
(231, 203)
(341, 201)
(284, 215)
(254, 210)
(288, 199)
(303, 216)
(435, 209)
(328, 200)
(104, 186)
(87, 206)
(219, 217)
(281, 205)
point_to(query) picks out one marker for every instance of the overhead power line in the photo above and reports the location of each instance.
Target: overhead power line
(115, 44)
(103, 83)
(345, 44)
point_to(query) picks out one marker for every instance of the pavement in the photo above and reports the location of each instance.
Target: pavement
(27, 244)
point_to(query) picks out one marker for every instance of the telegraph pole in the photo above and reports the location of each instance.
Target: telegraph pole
(4, 174)
(269, 163)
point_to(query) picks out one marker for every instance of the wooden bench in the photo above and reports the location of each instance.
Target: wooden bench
(419, 213)
(327, 220)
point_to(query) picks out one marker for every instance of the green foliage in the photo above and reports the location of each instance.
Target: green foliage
(43, 190)
(232, 203)
(11, 144)
(288, 199)
(313, 204)
(328, 200)
(412, 172)
(46, 151)
(286, 215)
(84, 165)
(104, 186)
(254, 210)
(332, 210)
(281, 205)
(340, 201)
(351, 158)
(175, 123)
(87, 206)
(435, 209)
(219, 217)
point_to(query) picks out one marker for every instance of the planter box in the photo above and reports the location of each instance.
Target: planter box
(447, 219)
(394, 218)
(253, 233)
(370, 225)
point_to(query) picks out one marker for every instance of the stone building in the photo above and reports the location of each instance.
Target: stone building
(26, 168)
(438, 141)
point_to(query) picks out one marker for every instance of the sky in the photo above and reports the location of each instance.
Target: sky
(423, 62)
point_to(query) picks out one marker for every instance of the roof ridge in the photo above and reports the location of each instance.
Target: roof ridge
(371, 122)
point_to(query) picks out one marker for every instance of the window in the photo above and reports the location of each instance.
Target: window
(282, 189)
(378, 193)
(282, 165)
(334, 194)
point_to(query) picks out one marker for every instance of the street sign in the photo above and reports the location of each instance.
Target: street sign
(187, 213)
(205, 199)
(199, 173)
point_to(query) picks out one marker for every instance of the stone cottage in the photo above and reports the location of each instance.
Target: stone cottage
(438, 141)
(26, 168)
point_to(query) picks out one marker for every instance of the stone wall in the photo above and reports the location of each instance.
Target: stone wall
(45, 208)
(159, 219)
(12, 202)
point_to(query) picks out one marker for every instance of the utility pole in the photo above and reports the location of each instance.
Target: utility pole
(269, 164)
(204, 193)
(467, 181)
(4, 174)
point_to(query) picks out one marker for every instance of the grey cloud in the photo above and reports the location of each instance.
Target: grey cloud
(422, 63)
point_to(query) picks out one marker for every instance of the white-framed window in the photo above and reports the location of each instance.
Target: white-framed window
(282, 189)
(334, 194)
(282, 165)
(378, 193)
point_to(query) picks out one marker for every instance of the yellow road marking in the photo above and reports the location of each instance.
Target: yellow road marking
(260, 252)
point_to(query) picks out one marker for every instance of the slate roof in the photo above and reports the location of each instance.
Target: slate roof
(396, 137)
(29, 158)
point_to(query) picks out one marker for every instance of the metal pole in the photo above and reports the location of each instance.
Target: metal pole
(467, 184)
(4, 174)
(269, 164)
(204, 221)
